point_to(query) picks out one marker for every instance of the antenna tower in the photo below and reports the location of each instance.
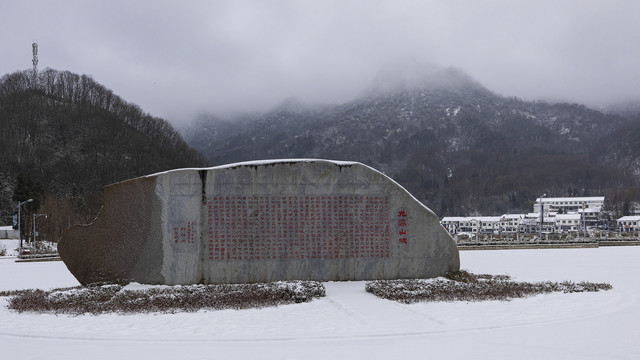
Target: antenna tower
(34, 46)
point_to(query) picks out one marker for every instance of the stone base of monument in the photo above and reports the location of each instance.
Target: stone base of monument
(259, 222)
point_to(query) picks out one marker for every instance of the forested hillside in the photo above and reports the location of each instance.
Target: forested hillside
(63, 137)
(460, 148)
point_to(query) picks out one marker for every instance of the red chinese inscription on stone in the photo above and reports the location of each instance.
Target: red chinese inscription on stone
(297, 227)
(402, 222)
(185, 234)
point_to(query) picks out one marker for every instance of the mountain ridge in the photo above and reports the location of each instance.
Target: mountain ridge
(64, 136)
(460, 148)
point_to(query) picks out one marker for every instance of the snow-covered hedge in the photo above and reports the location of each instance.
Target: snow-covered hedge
(465, 286)
(135, 298)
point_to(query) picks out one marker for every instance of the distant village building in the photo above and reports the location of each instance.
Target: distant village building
(562, 214)
(508, 223)
(471, 224)
(567, 222)
(452, 223)
(489, 224)
(559, 215)
(530, 222)
(7, 232)
(511, 223)
(566, 205)
(629, 223)
(589, 208)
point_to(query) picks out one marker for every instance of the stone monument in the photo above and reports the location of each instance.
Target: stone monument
(262, 221)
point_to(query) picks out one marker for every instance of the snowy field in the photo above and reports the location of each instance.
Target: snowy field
(10, 246)
(352, 324)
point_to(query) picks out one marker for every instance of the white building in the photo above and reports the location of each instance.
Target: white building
(569, 204)
(561, 214)
(462, 224)
(511, 223)
(629, 223)
(489, 224)
(452, 223)
(472, 224)
(7, 232)
(531, 223)
(568, 222)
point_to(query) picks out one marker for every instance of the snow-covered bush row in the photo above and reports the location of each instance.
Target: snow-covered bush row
(465, 286)
(132, 299)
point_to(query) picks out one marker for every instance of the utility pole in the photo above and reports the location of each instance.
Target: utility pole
(541, 215)
(19, 230)
(34, 230)
(584, 220)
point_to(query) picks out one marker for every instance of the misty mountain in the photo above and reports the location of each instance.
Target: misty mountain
(626, 109)
(458, 147)
(63, 137)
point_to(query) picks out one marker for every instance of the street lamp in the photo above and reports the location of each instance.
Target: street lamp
(35, 216)
(19, 232)
(541, 215)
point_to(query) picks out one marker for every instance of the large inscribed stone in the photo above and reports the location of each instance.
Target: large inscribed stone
(258, 222)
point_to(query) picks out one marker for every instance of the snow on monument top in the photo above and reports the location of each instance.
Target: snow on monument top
(255, 163)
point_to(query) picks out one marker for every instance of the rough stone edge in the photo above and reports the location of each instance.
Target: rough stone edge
(281, 161)
(152, 178)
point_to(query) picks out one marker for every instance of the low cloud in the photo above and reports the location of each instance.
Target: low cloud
(177, 59)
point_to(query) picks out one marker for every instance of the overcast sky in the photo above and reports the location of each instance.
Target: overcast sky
(179, 58)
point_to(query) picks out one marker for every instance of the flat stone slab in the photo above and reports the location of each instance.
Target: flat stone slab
(258, 222)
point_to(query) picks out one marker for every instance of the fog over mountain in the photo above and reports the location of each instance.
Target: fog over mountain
(474, 106)
(457, 146)
(177, 59)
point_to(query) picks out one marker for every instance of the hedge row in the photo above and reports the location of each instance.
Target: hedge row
(119, 299)
(465, 286)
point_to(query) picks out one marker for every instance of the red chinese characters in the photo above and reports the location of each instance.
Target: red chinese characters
(185, 234)
(297, 227)
(402, 222)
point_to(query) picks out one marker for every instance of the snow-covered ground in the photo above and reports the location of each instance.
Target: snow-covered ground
(10, 245)
(352, 324)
